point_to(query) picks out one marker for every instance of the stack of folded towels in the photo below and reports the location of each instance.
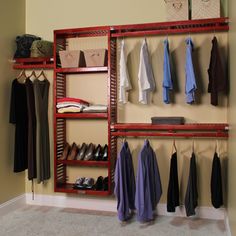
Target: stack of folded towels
(75, 105)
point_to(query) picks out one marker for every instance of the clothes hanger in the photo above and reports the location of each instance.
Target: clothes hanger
(33, 74)
(42, 74)
(22, 74)
(193, 146)
(174, 148)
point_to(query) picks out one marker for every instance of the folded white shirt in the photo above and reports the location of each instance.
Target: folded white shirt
(69, 109)
(95, 108)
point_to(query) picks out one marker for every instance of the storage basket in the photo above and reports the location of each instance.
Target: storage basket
(202, 9)
(70, 58)
(177, 10)
(95, 57)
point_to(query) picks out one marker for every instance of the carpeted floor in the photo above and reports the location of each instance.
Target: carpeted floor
(49, 221)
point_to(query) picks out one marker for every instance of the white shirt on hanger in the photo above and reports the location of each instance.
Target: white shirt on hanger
(125, 84)
(146, 81)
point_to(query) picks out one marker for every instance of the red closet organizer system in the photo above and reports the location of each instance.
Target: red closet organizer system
(216, 130)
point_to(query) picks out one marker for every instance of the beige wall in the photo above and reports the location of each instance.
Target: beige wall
(12, 23)
(59, 14)
(232, 122)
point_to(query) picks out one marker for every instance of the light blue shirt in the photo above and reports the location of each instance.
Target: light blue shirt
(190, 82)
(167, 82)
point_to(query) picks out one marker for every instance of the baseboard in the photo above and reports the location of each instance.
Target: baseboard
(227, 227)
(12, 204)
(110, 205)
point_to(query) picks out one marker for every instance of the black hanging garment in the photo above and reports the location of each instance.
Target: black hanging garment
(32, 169)
(191, 195)
(41, 90)
(216, 183)
(217, 79)
(19, 117)
(173, 187)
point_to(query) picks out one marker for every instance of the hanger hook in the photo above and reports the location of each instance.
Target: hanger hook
(193, 145)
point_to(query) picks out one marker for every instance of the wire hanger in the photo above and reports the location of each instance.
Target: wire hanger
(33, 74)
(174, 148)
(22, 74)
(193, 146)
(42, 74)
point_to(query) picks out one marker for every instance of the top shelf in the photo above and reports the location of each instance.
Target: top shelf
(174, 27)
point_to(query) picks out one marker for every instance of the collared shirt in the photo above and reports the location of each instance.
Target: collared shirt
(125, 84)
(148, 184)
(146, 81)
(124, 183)
(167, 82)
(190, 82)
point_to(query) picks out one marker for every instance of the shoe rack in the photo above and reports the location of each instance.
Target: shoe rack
(62, 182)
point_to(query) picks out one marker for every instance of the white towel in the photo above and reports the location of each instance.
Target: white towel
(146, 81)
(125, 84)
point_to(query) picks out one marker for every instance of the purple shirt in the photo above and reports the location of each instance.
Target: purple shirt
(124, 183)
(148, 184)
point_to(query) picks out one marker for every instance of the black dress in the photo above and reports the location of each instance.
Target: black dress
(19, 117)
(32, 170)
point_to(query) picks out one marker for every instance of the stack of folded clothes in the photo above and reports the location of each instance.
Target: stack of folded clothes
(95, 108)
(68, 104)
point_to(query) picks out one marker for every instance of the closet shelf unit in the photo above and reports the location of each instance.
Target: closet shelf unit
(33, 63)
(61, 175)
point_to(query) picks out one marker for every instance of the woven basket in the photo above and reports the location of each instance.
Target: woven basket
(177, 10)
(95, 57)
(69, 58)
(202, 9)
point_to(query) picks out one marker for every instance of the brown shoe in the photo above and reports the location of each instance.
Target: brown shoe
(65, 152)
(73, 152)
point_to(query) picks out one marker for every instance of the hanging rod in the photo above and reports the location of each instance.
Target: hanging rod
(214, 130)
(170, 134)
(176, 27)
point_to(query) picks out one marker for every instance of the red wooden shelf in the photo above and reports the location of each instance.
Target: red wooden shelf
(82, 115)
(82, 69)
(68, 188)
(83, 163)
(175, 27)
(216, 130)
(34, 63)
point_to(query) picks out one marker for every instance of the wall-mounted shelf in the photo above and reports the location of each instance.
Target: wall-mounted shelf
(82, 115)
(175, 27)
(83, 163)
(216, 130)
(33, 63)
(82, 70)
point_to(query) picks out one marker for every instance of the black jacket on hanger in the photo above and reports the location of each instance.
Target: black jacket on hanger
(173, 187)
(216, 183)
(191, 195)
(217, 79)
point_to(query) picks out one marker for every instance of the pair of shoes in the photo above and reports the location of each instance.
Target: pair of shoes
(85, 152)
(101, 154)
(101, 184)
(84, 183)
(65, 152)
(73, 152)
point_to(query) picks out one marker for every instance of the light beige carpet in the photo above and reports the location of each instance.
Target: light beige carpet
(48, 221)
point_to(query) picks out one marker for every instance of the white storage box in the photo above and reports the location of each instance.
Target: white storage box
(95, 57)
(202, 9)
(177, 10)
(69, 58)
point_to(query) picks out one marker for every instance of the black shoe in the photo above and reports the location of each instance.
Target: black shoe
(105, 153)
(82, 151)
(89, 152)
(98, 153)
(99, 183)
(105, 184)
